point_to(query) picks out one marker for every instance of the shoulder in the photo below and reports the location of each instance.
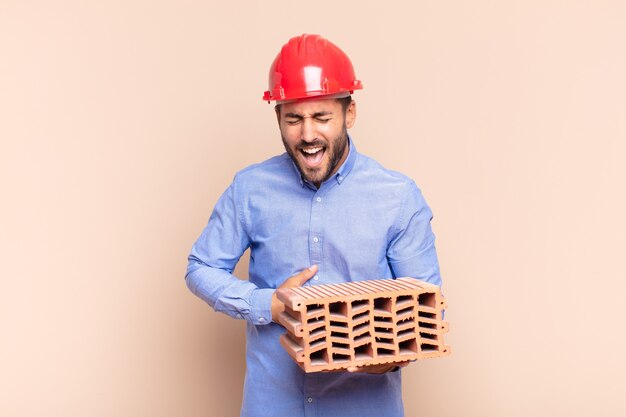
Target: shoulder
(373, 172)
(274, 167)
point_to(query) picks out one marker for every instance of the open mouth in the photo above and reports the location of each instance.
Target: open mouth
(313, 156)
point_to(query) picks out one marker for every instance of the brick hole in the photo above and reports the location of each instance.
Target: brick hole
(317, 332)
(364, 351)
(340, 335)
(384, 352)
(405, 325)
(404, 300)
(338, 324)
(339, 308)
(382, 304)
(408, 347)
(360, 316)
(384, 340)
(362, 336)
(427, 299)
(408, 321)
(315, 320)
(320, 357)
(427, 315)
(340, 357)
(427, 325)
(383, 330)
(428, 336)
(427, 347)
(356, 304)
(340, 345)
(317, 343)
(406, 315)
(361, 326)
(314, 308)
(406, 310)
(405, 332)
(383, 319)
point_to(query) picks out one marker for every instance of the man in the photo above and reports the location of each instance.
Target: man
(320, 213)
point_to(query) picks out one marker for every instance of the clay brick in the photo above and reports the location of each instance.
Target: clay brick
(335, 326)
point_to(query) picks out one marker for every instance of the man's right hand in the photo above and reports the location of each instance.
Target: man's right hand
(295, 281)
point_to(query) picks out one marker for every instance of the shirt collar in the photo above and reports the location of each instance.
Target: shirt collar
(343, 170)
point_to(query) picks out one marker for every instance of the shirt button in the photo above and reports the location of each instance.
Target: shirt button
(318, 199)
(261, 320)
(340, 178)
(239, 316)
(315, 239)
(316, 277)
(309, 400)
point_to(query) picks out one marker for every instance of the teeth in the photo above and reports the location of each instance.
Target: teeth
(311, 151)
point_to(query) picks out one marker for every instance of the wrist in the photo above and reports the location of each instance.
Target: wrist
(261, 306)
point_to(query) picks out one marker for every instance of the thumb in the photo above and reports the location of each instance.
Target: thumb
(305, 275)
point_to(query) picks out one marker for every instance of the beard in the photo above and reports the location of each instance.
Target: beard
(335, 150)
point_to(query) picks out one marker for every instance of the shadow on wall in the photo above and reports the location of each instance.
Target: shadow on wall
(225, 365)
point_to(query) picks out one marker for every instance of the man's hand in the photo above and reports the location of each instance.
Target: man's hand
(295, 281)
(378, 369)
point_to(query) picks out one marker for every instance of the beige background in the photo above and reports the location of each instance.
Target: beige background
(121, 122)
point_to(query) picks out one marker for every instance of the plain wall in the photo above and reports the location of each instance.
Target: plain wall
(121, 123)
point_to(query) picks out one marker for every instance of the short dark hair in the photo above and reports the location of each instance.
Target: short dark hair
(345, 102)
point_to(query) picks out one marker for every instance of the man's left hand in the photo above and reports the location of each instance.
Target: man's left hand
(378, 369)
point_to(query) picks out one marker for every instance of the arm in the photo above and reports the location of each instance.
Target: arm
(297, 280)
(411, 252)
(213, 258)
(212, 261)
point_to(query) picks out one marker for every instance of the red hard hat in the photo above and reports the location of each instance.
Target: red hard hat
(310, 66)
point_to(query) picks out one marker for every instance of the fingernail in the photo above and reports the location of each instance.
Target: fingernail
(312, 267)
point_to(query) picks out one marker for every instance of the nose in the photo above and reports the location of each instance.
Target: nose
(309, 134)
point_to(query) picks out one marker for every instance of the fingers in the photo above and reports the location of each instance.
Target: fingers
(377, 369)
(300, 278)
(297, 280)
(307, 274)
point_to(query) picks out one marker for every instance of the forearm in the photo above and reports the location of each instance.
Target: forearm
(228, 294)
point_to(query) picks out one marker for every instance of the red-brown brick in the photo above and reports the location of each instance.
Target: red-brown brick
(336, 326)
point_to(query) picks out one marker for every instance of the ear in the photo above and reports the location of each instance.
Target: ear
(351, 114)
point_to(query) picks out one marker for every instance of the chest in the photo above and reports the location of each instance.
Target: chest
(340, 218)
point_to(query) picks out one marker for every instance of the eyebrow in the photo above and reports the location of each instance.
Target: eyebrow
(315, 115)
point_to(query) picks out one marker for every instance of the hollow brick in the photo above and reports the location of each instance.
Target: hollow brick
(336, 326)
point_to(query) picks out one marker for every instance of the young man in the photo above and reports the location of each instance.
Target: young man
(320, 213)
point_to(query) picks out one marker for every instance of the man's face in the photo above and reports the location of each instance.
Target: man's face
(314, 132)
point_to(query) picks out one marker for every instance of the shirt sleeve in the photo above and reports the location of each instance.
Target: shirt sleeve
(213, 258)
(411, 252)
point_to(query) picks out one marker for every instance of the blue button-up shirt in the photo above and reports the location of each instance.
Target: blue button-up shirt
(365, 222)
